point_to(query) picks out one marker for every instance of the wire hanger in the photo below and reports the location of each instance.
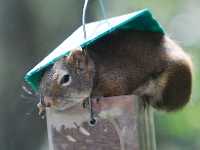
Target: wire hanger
(93, 120)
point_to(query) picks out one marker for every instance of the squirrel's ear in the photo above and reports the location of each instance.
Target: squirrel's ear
(73, 56)
(79, 60)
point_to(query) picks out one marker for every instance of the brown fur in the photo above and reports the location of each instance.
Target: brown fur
(128, 61)
(147, 64)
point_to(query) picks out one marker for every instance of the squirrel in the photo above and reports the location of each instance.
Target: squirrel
(143, 63)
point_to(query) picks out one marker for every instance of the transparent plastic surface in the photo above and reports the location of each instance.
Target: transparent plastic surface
(122, 124)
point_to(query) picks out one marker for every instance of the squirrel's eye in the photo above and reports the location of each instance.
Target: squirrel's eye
(65, 79)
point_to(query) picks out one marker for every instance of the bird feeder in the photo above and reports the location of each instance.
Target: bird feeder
(140, 20)
(123, 123)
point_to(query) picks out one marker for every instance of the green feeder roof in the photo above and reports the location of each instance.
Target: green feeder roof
(139, 20)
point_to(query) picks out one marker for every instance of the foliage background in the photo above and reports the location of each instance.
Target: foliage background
(30, 29)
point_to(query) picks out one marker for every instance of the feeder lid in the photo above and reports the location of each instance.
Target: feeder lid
(140, 20)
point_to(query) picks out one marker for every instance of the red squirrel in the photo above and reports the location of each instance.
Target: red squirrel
(147, 64)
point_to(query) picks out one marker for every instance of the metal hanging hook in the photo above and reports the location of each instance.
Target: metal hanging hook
(92, 121)
(83, 19)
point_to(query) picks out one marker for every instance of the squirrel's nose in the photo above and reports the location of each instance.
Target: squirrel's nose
(48, 101)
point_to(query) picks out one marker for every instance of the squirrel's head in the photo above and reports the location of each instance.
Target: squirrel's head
(68, 81)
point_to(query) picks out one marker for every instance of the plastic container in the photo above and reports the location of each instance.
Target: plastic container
(122, 124)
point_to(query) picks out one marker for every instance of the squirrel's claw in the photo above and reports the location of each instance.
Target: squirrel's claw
(41, 109)
(85, 103)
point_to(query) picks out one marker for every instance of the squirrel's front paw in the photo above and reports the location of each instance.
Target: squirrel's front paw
(41, 109)
(86, 101)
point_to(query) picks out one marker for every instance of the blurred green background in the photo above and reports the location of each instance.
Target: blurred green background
(30, 29)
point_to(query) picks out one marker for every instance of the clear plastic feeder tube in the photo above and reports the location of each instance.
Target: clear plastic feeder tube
(122, 124)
